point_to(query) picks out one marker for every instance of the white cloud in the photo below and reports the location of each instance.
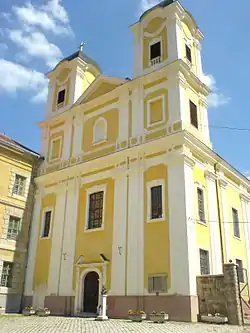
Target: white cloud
(146, 4)
(17, 77)
(57, 10)
(47, 20)
(36, 45)
(216, 98)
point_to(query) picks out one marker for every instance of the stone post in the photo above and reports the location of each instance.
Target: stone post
(103, 311)
(232, 294)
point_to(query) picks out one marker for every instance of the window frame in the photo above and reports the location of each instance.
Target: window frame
(190, 114)
(1, 277)
(47, 209)
(152, 42)
(240, 272)
(208, 261)
(51, 149)
(189, 47)
(18, 230)
(89, 191)
(61, 104)
(22, 195)
(154, 183)
(160, 291)
(105, 138)
(234, 223)
(149, 124)
(201, 188)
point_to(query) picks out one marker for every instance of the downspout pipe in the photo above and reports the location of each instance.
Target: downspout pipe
(219, 213)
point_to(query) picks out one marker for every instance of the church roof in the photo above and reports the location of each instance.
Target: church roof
(81, 55)
(6, 140)
(162, 4)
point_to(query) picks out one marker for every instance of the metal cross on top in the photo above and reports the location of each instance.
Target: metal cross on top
(81, 46)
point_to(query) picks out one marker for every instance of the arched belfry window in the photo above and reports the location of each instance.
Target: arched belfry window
(100, 130)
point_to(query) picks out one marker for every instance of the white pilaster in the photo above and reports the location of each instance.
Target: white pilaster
(177, 99)
(78, 136)
(204, 120)
(69, 234)
(123, 116)
(216, 259)
(135, 115)
(57, 232)
(119, 234)
(197, 46)
(245, 212)
(225, 224)
(34, 235)
(182, 226)
(174, 38)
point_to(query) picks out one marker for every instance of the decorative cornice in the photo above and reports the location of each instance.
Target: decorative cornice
(210, 175)
(244, 197)
(223, 183)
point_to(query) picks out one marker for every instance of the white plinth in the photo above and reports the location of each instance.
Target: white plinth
(103, 314)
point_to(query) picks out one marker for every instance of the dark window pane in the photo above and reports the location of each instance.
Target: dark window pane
(188, 53)
(61, 96)
(240, 270)
(13, 227)
(47, 222)
(95, 210)
(236, 225)
(204, 262)
(155, 50)
(6, 277)
(156, 202)
(193, 114)
(157, 284)
(201, 206)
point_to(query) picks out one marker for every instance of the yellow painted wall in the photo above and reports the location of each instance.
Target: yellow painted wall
(153, 26)
(91, 243)
(56, 135)
(202, 229)
(44, 244)
(104, 88)
(87, 80)
(156, 234)
(112, 118)
(157, 93)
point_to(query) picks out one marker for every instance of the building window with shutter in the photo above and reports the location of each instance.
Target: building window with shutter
(19, 185)
(204, 262)
(95, 215)
(6, 277)
(13, 227)
(188, 53)
(236, 224)
(193, 114)
(240, 270)
(156, 200)
(46, 224)
(201, 205)
(157, 284)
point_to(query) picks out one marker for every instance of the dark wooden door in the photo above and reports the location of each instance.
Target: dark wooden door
(91, 292)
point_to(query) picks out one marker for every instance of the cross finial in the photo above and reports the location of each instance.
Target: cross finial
(81, 46)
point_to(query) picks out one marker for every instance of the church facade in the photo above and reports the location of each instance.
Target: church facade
(130, 195)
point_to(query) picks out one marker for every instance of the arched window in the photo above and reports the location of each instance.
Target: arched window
(100, 130)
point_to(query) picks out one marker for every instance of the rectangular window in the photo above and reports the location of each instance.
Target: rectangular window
(61, 96)
(156, 202)
(155, 51)
(240, 270)
(56, 145)
(46, 224)
(236, 225)
(204, 262)
(188, 53)
(6, 277)
(19, 185)
(201, 204)
(13, 227)
(157, 284)
(193, 114)
(95, 210)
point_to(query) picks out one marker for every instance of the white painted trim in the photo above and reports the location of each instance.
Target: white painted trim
(89, 191)
(152, 42)
(157, 32)
(153, 183)
(97, 140)
(51, 149)
(162, 98)
(45, 210)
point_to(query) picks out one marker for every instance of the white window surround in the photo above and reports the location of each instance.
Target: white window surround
(209, 258)
(238, 238)
(51, 149)
(89, 191)
(22, 173)
(149, 124)
(99, 126)
(153, 183)
(47, 209)
(154, 41)
(203, 188)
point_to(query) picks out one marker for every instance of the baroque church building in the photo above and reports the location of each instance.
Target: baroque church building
(130, 195)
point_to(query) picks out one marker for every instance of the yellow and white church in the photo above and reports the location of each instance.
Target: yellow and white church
(130, 195)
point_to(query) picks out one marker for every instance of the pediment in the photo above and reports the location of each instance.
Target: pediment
(99, 87)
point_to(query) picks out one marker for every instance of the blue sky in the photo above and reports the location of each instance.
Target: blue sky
(35, 34)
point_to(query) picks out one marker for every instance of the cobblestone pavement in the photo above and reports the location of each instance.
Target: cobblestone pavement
(20, 324)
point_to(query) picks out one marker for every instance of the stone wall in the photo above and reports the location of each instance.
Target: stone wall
(220, 294)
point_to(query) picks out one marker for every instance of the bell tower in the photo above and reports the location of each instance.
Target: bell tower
(68, 81)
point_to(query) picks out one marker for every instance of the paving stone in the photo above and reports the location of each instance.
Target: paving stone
(34, 324)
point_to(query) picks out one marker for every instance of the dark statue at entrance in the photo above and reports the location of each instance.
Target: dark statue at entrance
(91, 292)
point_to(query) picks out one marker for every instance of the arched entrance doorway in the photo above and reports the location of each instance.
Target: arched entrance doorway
(91, 292)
